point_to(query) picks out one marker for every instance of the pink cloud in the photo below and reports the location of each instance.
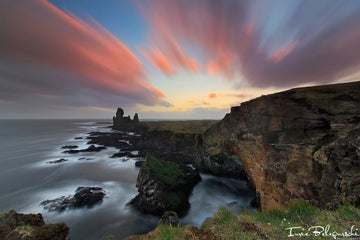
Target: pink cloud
(173, 57)
(167, 47)
(282, 53)
(158, 59)
(223, 64)
(37, 36)
(234, 37)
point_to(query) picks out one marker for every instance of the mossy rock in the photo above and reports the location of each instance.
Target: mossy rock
(169, 173)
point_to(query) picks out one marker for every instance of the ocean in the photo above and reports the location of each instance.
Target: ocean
(27, 178)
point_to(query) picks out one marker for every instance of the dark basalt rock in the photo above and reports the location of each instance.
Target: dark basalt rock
(11, 223)
(77, 138)
(115, 139)
(124, 154)
(224, 165)
(69, 147)
(84, 197)
(164, 186)
(120, 122)
(91, 148)
(139, 163)
(85, 159)
(58, 161)
(88, 197)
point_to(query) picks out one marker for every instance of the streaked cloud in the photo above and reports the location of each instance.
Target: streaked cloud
(173, 57)
(157, 58)
(276, 43)
(50, 57)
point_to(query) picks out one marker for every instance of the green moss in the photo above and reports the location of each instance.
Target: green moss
(170, 173)
(25, 227)
(173, 198)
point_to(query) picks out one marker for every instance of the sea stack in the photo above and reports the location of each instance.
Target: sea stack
(121, 122)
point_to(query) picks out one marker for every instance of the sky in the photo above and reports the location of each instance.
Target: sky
(168, 59)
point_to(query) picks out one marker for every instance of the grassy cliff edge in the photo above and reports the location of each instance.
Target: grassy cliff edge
(299, 221)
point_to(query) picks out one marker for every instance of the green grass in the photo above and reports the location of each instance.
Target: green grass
(25, 227)
(169, 172)
(189, 126)
(2, 214)
(170, 233)
(273, 224)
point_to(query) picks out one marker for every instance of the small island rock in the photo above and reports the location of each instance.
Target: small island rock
(164, 186)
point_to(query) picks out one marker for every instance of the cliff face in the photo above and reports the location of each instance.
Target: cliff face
(302, 143)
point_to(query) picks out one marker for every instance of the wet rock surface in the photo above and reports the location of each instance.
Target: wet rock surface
(58, 161)
(17, 226)
(124, 154)
(69, 147)
(91, 148)
(83, 197)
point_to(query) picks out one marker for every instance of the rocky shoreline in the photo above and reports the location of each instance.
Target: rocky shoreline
(17, 226)
(312, 154)
(170, 149)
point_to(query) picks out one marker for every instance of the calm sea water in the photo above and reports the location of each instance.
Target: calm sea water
(27, 179)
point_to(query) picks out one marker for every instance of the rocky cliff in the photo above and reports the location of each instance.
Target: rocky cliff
(299, 144)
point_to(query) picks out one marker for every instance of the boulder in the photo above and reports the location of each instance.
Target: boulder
(58, 161)
(69, 147)
(91, 148)
(84, 197)
(169, 218)
(164, 186)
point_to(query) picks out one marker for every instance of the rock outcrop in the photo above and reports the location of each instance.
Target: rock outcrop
(91, 148)
(164, 186)
(298, 144)
(172, 146)
(16, 226)
(83, 197)
(179, 147)
(120, 122)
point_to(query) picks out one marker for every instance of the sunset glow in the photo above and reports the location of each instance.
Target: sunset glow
(168, 59)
